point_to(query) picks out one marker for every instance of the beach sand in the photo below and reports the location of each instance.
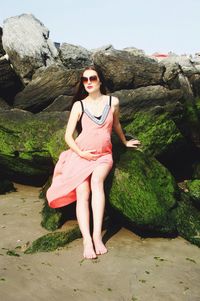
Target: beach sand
(156, 269)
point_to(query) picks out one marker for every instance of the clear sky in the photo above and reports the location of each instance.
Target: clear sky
(151, 25)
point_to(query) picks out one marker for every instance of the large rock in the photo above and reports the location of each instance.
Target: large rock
(187, 219)
(30, 144)
(74, 56)
(184, 63)
(26, 41)
(146, 98)
(157, 132)
(143, 192)
(3, 105)
(124, 70)
(2, 51)
(61, 103)
(47, 84)
(10, 84)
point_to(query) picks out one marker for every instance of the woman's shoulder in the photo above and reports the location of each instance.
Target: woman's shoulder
(115, 100)
(77, 107)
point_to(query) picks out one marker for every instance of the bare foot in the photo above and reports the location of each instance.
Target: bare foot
(99, 246)
(88, 251)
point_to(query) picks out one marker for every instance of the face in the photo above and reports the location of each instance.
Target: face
(91, 81)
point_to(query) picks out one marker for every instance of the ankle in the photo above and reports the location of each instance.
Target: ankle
(96, 236)
(87, 240)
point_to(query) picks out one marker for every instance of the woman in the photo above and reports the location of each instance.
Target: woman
(85, 166)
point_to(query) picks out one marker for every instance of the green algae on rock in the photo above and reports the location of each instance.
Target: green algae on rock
(194, 190)
(51, 218)
(144, 192)
(187, 220)
(157, 132)
(30, 143)
(52, 241)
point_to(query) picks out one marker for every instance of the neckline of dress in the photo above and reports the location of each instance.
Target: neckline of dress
(103, 116)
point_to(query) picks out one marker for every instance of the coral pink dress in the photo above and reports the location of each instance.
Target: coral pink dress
(71, 169)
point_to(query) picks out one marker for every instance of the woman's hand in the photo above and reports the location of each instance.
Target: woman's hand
(88, 154)
(132, 143)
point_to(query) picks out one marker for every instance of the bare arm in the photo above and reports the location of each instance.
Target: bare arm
(71, 126)
(117, 126)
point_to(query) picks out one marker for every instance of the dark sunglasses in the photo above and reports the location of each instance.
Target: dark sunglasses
(91, 79)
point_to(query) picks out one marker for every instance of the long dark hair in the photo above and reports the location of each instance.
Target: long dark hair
(81, 93)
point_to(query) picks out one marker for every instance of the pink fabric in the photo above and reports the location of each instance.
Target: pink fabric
(71, 170)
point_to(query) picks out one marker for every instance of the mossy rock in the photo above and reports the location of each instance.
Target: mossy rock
(144, 192)
(51, 218)
(30, 144)
(187, 220)
(194, 190)
(52, 241)
(196, 170)
(158, 133)
(6, 186)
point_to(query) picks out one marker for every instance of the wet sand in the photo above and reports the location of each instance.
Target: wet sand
(134, 269)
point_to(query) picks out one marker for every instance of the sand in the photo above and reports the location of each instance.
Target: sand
(133, 269)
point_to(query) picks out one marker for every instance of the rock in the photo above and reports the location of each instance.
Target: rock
(195, 84)
(3, 105)
(143, 192)
(102, 48)
(61, 103)
(52, 241)
(135, 51)
(10, 84)
(47, 84)
(196, 170)
(187, 220)
(194, 190)
(6, 186)
(146, 98)
(26, 41)
(158, 133)
(30, 144)
(123, 70)
(2, 51)
(74, 56)
(185, 64)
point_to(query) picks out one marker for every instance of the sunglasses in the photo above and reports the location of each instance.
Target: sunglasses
(91, 79)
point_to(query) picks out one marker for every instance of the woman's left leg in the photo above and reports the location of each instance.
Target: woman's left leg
(98, 204)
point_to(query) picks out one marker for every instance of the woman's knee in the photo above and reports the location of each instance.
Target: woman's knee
(83, 191)
(96, 181)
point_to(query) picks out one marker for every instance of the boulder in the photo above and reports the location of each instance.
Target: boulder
(26, 41)
(144, 192)
(102, 48)
(193, 187)
(10, 84)
(187, 219)
(135, 51)
(146, 98)
(2, 51)
(47, 84)
(30, 144)
(3, 105)
(157, 132)
(74, 56)
(184, 63)
(61, 103)
(124, 70)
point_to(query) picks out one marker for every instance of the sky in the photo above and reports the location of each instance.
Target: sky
(151, 25)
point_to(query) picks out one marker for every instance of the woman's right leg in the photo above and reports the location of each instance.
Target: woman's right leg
(83, 217)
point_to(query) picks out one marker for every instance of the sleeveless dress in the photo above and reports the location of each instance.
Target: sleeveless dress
(71, 169)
